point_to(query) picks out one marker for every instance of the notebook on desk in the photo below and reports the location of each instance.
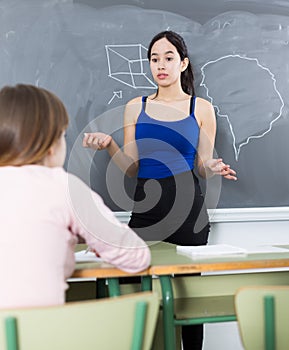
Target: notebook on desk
(218, 250)
(210, 251)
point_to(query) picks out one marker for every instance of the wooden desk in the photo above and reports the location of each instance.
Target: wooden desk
(180, 295)
(165, 260)
(100, 269)
(103, 271)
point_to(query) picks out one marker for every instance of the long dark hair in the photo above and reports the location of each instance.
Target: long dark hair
(187, 76)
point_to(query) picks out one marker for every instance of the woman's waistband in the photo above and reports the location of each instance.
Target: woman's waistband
(170, 179)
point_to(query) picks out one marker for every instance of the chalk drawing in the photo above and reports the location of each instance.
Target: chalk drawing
(116, 94)
(237, 147)
(128, 64)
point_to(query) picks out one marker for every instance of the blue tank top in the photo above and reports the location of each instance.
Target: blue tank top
(166, 148)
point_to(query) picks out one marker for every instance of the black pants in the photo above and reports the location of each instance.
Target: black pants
(172, 210)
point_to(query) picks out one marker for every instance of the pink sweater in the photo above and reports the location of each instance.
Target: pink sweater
(41, 212)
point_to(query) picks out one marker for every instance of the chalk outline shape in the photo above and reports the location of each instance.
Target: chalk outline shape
(237, 150)
(109, 48)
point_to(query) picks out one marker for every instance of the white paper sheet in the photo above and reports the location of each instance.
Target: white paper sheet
(211, 251)
(217, 250)
(84, 256)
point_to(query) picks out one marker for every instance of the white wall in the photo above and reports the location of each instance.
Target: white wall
(245, 227)
(241, 227)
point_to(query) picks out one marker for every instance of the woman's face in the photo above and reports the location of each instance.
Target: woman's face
(165, 63)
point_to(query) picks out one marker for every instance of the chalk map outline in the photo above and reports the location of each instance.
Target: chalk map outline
(237, 150)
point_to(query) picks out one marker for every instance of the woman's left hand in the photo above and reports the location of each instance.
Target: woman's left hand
(218, 167)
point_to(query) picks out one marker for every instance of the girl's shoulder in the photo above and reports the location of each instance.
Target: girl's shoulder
(135, 101)
(204, 110)
(138, 100)
(202, 105)
(132, 110)
(203, 102)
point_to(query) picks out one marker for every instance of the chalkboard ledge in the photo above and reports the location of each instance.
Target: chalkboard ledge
(235, 214)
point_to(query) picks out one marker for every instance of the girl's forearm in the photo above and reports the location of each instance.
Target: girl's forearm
(125, 163)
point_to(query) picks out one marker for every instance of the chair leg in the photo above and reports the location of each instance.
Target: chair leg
(140, 319)
(269, 311)
(11, 333)
(146, 283)
(168, 313)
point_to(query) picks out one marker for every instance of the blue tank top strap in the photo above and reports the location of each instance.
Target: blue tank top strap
(144, 100)
(192, 105)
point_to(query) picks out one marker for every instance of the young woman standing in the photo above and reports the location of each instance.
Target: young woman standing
(167, 137)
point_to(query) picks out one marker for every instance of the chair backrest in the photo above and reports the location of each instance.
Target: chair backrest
(263, 317)
(124, 323)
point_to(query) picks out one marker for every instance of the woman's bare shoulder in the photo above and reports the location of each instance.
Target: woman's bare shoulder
(134, 101)
(132, 110)
(203, 106)
(203, 102)
(204, 110)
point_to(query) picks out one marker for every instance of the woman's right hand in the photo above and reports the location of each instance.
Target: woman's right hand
(96, 140)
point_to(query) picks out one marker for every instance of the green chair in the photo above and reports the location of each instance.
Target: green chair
(123, 323)
(263, 317)
(190, 300)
